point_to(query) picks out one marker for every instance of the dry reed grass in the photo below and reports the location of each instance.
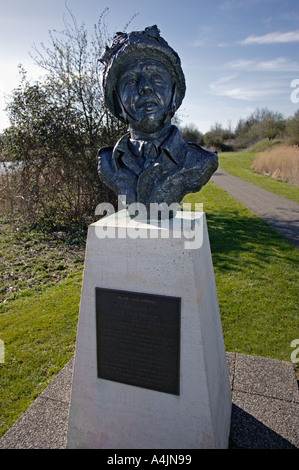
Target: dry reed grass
(281, 162)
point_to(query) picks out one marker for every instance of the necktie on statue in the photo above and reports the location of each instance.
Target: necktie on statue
(149, 153)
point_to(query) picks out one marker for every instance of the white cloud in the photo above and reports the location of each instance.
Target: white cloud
(281, 64)
(228, 5)
(223, 44)
(226, 86)
(240, 64)
(272, 38)
(203, 36)
(243, 93)
(199, 42)
(219, 83)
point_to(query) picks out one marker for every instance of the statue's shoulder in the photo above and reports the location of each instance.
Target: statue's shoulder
(199, 150)
(104, 159)
(200, 155)
(105, 152)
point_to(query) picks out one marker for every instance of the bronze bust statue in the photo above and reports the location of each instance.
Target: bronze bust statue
(144, 85)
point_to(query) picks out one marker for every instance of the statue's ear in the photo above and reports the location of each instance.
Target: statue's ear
(172, 105)
(119, 110)
(173, 101)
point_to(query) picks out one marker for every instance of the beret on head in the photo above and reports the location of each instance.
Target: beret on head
(128, 47)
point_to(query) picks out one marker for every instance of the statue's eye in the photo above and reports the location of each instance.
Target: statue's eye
(156, 77)
(130, 81)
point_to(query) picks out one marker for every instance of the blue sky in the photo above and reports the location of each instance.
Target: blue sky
(237, 55)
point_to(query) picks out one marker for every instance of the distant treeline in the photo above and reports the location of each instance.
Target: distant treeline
(261, 124)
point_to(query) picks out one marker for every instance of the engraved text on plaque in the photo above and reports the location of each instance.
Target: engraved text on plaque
(138, 339)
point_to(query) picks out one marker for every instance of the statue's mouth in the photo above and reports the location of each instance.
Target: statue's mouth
(147, 104)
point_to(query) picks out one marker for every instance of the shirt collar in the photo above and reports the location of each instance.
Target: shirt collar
(170, 145)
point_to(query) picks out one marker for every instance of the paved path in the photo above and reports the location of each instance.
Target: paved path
(280, 213)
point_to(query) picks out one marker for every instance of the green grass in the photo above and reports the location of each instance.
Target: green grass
(31, 261)
(39, 305)
(238, 164)
(256, 273)
(39, 333)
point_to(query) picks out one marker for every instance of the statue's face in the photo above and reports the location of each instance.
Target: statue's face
(145, 89)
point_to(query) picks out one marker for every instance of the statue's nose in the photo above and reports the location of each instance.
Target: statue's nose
(145, 87)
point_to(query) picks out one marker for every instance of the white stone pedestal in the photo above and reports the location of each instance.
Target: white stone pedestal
(170, 258)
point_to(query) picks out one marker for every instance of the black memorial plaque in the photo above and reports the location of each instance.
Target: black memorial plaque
(138, 339)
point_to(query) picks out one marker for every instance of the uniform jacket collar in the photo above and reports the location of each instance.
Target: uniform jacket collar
(170, 146)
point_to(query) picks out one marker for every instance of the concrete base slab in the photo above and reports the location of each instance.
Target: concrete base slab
(44, 424)
(265, 412)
